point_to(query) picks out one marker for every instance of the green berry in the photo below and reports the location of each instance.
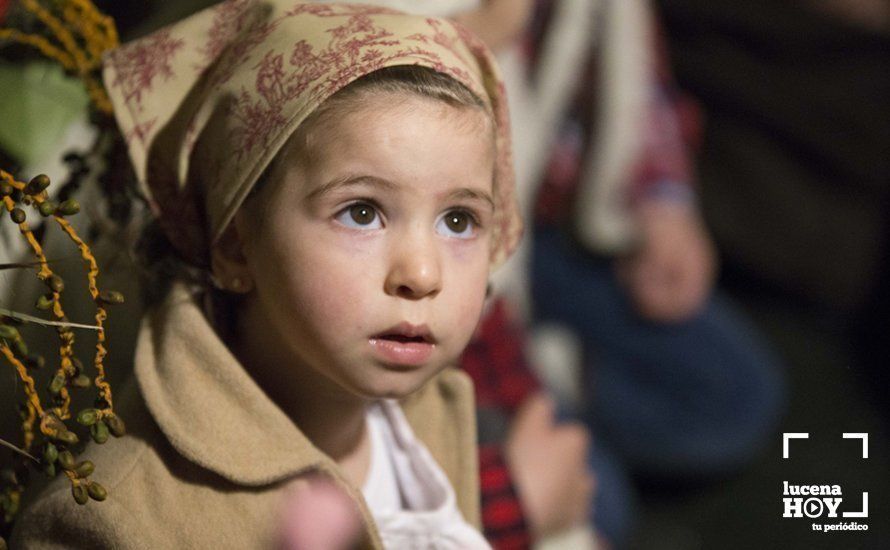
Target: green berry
(97, 492)
(81, 495)
(69, 207)
(8, 333)
(116, 425)
(55, 283)
(50, 453)
(99, 432)
(47, 208)
(111, 297)
(58, 382)
(84, 469)
(37, 184)
(66, 460)
(44, 302)
(87, 417)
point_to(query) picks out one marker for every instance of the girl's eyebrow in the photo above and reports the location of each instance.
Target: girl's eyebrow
(471, 194)
(355, 180)
(349, 181)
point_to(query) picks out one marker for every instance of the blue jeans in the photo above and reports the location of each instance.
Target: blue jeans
(671, 401)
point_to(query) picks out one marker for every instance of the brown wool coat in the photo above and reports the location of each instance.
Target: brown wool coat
(209, 456)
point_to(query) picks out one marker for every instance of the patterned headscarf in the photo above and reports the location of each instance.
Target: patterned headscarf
(227, 87)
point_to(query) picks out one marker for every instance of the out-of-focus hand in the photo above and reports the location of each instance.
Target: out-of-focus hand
(318, 515)
(498, 22)
(548, 462)
(670, 277)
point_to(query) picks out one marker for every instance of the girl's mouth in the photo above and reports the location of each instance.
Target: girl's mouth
(404, 345)
(403, 339)
(406, 332)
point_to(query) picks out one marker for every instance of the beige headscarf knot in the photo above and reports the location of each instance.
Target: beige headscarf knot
(232, 83)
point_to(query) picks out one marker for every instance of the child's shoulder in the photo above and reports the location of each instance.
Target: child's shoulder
(448, 394)
(452, 384)
(155, 496)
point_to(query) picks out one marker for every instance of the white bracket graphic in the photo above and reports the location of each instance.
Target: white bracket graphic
(791, 435)
(864, 512)
(864, 438)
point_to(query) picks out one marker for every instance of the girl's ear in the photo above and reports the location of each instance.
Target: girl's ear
(228, 263)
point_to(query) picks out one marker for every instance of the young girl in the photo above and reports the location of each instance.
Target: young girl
(342, 175)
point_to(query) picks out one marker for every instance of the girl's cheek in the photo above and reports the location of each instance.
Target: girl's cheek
(344, 259)
(470, 276)
(330, 292)
(469, 312)
(352, 241)
(469, 251)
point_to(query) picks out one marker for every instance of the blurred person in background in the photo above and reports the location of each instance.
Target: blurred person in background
(795, 168)
(793, 177)
(677, 384)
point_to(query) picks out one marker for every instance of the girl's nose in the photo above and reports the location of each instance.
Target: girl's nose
(415, 272)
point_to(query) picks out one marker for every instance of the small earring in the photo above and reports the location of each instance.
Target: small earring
(236, 284)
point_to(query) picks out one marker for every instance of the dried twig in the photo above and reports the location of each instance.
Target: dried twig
(39, 321)
(22, 452)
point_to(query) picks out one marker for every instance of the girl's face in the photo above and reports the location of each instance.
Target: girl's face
(369, 257)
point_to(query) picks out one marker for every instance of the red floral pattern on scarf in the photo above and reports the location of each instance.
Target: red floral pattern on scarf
(139, 62)
(353, 50)
(229, 19)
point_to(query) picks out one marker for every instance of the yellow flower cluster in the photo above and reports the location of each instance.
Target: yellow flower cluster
(78, 35)
(58, 441)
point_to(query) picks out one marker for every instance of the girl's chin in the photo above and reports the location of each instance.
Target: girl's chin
(394, 385)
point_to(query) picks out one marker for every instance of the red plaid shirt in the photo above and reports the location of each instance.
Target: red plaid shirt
(496, 362)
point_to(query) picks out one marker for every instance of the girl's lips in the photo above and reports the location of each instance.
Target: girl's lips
(404, 344)
(405, 353)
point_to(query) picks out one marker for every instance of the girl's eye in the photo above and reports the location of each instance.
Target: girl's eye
(457, 224)
(360, 215)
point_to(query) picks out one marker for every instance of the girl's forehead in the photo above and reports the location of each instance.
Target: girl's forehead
(415, 144)
(378, 121)
(377, 109)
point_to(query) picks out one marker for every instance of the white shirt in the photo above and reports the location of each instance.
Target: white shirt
(408, 494)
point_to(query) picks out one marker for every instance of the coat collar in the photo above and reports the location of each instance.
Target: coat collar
(216, 416)
(208, 407)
